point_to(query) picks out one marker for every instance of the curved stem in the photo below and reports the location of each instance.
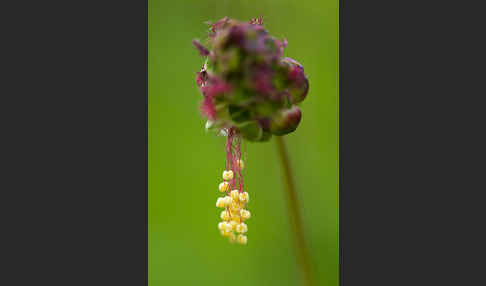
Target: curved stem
(303, 260)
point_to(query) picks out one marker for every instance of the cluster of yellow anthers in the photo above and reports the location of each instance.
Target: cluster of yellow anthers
(234, 215)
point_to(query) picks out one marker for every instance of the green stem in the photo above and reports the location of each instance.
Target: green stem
(303, 259)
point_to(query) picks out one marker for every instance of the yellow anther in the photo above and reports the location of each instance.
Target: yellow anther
(220, 203)
(224, 186)
(244, 197)
(227, 227)
(241, 164)
(241, 228)
(242, 239)
(227, 200)
(221, 225)
(225, 215)
(234, 213)
(226, 233)
(235, 207)
(227, 175)
(245, 214)
(235, 195)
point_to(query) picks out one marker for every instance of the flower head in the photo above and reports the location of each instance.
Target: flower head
(247, 84)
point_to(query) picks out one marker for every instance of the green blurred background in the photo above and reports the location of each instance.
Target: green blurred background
(185, 162)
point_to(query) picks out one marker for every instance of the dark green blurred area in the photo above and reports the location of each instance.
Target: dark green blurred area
(186, 163)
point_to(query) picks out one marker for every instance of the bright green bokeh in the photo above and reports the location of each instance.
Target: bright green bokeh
(185, 162)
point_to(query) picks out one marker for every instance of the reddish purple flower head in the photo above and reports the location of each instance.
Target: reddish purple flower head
(246, 83)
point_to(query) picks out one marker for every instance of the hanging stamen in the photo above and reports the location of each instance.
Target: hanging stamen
(235, 198)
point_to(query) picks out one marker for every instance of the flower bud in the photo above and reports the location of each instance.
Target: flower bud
(286, 121)
(298, 83)
(251, 130)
